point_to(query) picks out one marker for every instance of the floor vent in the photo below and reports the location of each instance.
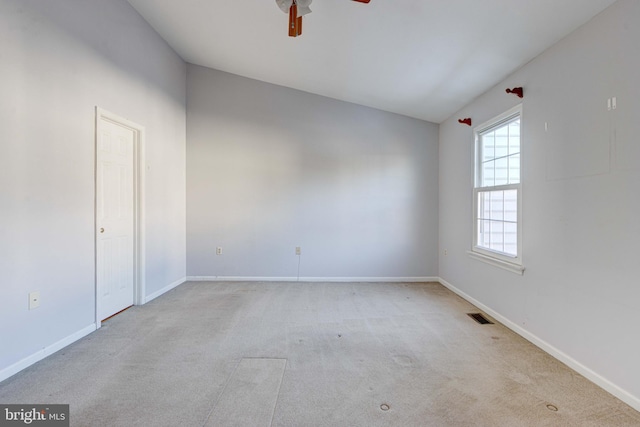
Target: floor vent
(478, 317)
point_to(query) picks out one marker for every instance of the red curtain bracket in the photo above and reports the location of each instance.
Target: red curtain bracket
(517, 91)
(466, 121)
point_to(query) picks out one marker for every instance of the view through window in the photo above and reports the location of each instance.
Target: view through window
(497, 187)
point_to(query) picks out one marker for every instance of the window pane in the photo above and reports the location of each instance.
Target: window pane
(514, 169)
(501, 142)
(488, 147)
(502, 171)
(514, 137)
(497, 204)
(514, 145)
(484, 205)
(488, 174)
(511, 238)
(484, 234)
(502, 145)
(511, 205)
(498, 221)
(500, 155)
(498, 164)
(497, 236)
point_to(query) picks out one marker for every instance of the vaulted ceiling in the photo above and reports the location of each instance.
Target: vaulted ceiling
(420, 58)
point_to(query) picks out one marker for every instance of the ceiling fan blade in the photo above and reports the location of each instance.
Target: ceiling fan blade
(284, 5)
(303, 7)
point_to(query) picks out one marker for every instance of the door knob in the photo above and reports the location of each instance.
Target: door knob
(102, 230)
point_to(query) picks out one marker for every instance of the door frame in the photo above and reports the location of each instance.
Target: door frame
(138, 205)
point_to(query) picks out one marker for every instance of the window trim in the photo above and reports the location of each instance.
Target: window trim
(497, 259)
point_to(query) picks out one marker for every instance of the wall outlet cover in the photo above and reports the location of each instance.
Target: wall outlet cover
(34, 300)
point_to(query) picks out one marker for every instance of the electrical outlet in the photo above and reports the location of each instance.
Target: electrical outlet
(219, 250)
(298, 250)
(446, 252)
(34, 300)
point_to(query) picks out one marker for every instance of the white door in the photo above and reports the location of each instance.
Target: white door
(115, 274)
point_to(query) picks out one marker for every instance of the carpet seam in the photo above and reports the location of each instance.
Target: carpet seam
(273, 414)
(206, 420)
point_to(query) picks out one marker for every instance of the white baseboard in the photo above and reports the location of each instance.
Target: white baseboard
(594, 377)
(310, 279)
(239, 279)
(48, 350)
(166, 289)
(370, 279)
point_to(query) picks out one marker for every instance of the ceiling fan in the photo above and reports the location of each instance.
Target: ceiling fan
(296, 10)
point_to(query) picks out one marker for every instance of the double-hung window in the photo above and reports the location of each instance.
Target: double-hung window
(497, 193)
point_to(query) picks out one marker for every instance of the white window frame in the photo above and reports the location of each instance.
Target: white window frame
(498, 259)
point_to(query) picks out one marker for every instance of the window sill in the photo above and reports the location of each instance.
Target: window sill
(505, 265)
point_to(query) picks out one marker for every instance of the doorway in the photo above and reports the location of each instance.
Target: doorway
(119, 219)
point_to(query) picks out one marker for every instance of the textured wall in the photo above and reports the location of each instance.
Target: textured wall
(271, 168)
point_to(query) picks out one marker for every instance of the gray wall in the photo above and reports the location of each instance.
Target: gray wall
(271, 168)
(59, 59)
(581, 181)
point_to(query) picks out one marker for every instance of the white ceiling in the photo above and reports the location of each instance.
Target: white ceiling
(420, 58)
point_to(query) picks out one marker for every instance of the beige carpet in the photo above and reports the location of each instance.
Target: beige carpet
(311, 354)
